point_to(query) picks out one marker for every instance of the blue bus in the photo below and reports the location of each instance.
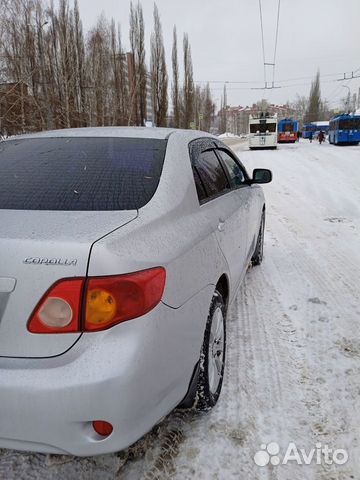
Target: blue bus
(288, 130)
(345, 130)
(307, 129)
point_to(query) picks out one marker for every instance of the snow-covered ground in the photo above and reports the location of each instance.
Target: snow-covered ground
(293, 358)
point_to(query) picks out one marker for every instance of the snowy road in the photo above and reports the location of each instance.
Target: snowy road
(293, 358)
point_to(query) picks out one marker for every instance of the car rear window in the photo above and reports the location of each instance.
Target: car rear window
(84, 173)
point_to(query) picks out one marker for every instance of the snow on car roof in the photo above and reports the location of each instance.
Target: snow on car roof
(129, 132)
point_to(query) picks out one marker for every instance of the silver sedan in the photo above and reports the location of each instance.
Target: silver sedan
(121, 250)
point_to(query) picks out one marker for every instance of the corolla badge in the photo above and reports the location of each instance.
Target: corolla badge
(63, 262)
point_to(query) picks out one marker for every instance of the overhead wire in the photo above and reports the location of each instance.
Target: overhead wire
(279, 81)
(276, 41)
(280, 86)
(262, 40)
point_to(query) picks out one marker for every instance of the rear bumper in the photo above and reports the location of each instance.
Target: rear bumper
(263, 141)
(131, 376)
(284, 138)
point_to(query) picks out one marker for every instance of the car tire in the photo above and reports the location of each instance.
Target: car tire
(212, 357)
(259, 250)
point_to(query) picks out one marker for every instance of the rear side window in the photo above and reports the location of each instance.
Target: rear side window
(73, 173)
(211, 173)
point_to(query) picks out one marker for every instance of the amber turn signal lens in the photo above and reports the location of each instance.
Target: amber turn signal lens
(115, 299)
(100, 307)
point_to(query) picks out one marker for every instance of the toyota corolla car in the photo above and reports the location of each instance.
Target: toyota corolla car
(120, 252)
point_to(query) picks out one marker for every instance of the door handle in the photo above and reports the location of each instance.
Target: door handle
(221, 225)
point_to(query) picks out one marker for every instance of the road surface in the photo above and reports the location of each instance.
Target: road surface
(293, 358)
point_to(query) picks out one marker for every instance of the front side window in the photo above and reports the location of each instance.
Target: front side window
(237, 177)
(79, 173)
(211, 173)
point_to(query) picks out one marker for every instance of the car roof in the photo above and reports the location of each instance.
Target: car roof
(120, 132)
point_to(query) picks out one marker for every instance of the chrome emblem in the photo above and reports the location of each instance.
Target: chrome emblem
(62, 262)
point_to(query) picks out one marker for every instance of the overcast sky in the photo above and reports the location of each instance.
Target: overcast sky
(225, 38)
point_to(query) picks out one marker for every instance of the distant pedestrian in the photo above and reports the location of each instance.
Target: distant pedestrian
(310, 136)
(321, 137)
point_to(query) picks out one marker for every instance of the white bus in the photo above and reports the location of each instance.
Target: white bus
(262, 131)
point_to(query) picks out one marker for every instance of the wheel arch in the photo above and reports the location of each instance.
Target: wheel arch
(223, 287)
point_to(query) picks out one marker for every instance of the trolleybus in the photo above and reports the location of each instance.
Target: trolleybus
(288, 130)
(262, 131)
(308, 129)
(345, 130)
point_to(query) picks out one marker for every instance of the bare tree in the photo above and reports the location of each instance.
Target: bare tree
(204, 108)
(198, 106)
(188, 88)
(80, 60)
(300, 107)
(313, 112)
(116, 66)
(124, 84)
(208, 110)
(52, 75)
(100, 71)
(175, 84)
(138, 93)
(159, 78)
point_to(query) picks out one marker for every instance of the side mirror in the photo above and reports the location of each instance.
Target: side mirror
(261, 175)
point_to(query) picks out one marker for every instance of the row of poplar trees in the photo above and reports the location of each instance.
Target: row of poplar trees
(52, 75)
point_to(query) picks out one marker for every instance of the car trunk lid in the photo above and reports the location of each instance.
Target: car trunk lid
(37, 248)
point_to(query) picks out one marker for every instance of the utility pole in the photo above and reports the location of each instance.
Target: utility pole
(347, 98)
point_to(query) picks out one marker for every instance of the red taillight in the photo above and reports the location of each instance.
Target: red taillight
(59, 311)
(111, 300)
(102, 428)
(76, 305)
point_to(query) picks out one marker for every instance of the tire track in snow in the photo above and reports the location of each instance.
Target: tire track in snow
(273, 335)
(328, 293)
